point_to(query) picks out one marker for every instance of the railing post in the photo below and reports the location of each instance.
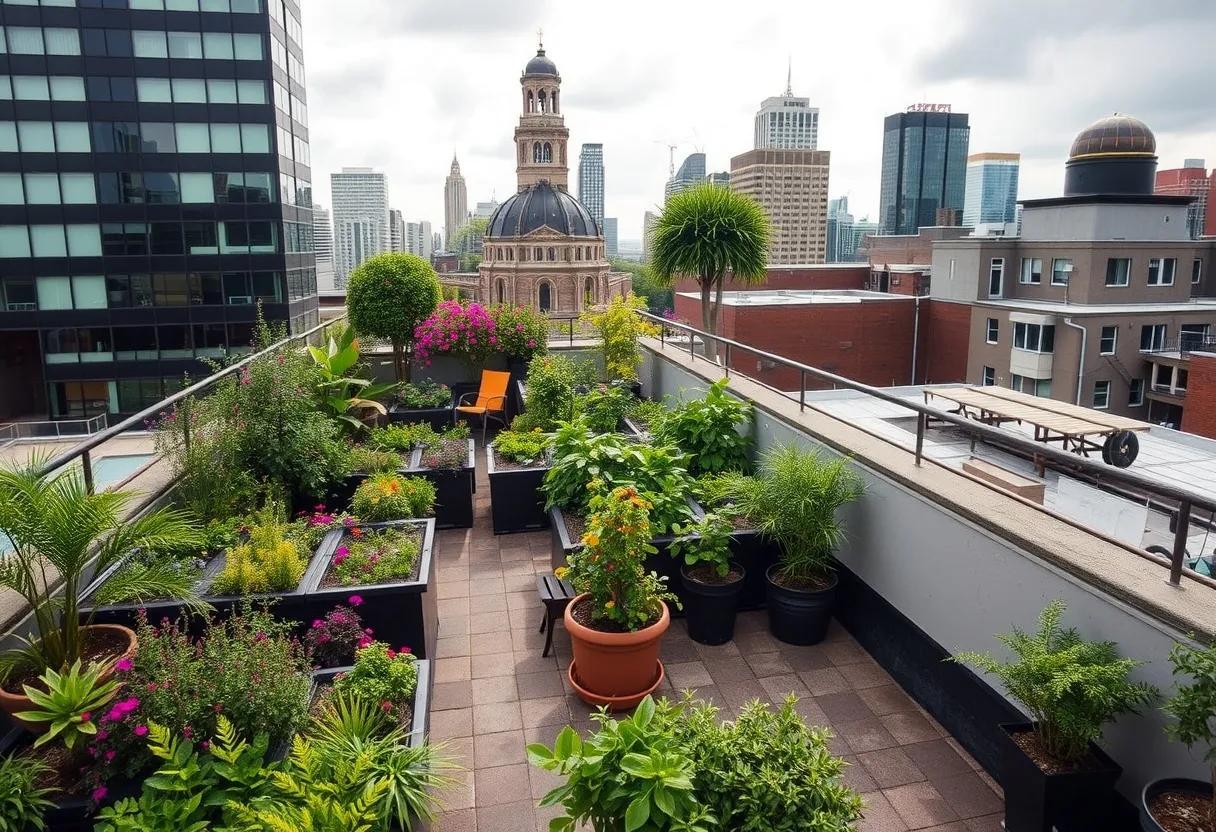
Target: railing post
(571, 322)
(726, 360)
(921, 419)
(692, 345)
(86, 465)
(1179, 550)
(801, 389)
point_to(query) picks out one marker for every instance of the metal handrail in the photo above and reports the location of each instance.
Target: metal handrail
(1188, 499)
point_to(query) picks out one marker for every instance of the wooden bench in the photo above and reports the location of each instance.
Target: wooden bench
(555, 594)
(1006, 479)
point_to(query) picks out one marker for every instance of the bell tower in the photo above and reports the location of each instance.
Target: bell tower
(541, 136)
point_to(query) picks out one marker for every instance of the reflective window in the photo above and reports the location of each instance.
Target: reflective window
(189, 91)
(157, 137)
(48, 241)
(193, 138)
(31, 88)
(217, 46)
(84, 240)
(221, 91)
(185, 45)
(197, 187)
(54, 293)
(11, 191)
(153, 90)
(225, 138)
(89, 292)
(149, 44)
(42, 189)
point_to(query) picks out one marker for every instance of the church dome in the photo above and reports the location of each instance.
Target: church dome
(1114, 135)
(540, 65)
(540, 205)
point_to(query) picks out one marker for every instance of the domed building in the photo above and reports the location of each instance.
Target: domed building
(1114, 155)
(542, 248)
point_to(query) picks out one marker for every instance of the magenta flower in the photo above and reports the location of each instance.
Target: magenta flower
(99, 794)
(355, 600)
(141, 730)
(124, 665)
(342, 550)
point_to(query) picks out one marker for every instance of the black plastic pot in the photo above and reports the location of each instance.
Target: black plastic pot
(799, 616)
(516, 504)
(437, 417)
(453, 490)
(1170, 784)
(1070, 801)
(710, 608)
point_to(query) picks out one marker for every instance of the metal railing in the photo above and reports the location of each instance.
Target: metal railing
(56, 429)
(1186, 342)
(1186, 499)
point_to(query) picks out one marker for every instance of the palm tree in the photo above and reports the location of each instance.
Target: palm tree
(707, 232)
(55, 527)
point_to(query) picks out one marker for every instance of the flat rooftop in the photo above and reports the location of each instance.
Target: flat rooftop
(1193, 305)
(800, 297)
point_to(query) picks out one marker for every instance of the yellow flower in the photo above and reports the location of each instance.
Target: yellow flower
(610, 604)
(561, 572)
(591, 539)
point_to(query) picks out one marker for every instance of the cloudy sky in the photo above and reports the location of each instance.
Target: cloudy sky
(402, 84)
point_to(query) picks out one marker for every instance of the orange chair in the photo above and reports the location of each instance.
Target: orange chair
(491, 400)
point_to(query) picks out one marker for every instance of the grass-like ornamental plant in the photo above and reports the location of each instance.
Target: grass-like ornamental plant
(403, 438)
(393, 497)
(69, 701)
(522, 447)
(708, 431)
(1070, 686)
(1193, 706)
(23, 803)
(364, 460)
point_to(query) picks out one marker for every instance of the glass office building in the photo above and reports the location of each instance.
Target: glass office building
(924, 169)
(154, 192)
(992, 188)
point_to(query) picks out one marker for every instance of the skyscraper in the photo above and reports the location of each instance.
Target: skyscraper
(787, 122)
(418, 239)
(648, 223)
(360, 213)
(924, 167)
(691, 172)
(140, 227)
(1192, 180)
(322, 235)
(591, 180)
(396, 231)
(992, 188)
(792, 187)
(840, 231)
(720, 178)
(455, 205)
(610, 237)
(485, 209)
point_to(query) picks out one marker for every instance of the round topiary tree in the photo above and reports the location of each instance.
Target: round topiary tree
(387, 296)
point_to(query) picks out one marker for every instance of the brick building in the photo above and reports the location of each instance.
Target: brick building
(1199, 416)
(1192, 180)
(817, 276)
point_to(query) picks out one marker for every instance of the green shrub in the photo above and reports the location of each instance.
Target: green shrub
(388, 296)
(266, 562)
(550, 389)
(362, 459)
(1070, 686)
(376, 556)
(522, 332)
(619, 328)
(708, 431)
(524, 448)
(705, 541)
(23, 803)
(603, 406)
(381, 675)
(419, 395)
(393, 497)
(647, 415)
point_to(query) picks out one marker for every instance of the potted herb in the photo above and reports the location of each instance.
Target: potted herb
(604, 407)
(1052, 771)
(1179, 804)
(617, 621)
(753, 552)
(793, 501)
(449, 462)
(422, 401)
(516, 462)
(712, 582)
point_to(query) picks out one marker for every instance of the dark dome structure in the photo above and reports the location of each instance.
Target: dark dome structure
(538, 206)
(1116, 155)
(540, 65)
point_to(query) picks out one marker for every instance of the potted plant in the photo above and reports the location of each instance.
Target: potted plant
(619, 617)
(57, 527)
(388, 496)
(449, 463)
(1179, 804)
(1052, 771)
(707, 430)
(620, 327)
(603, 407)
(793, 501)
(712, 582)
(394, 681)
(422, 401)
(522, 333)
(753, 552)
(388, 296)
(516, 462)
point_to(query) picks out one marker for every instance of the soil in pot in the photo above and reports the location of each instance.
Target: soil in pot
(65, 769)
(447, 454)
(368, 552)
(1029, 742)
(581, 612)
(1178, 811)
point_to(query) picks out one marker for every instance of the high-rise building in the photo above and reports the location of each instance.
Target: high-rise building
(418, 239)
(787, 122)
(396, 231)
(485, 209)
(455, 204)
(840, 231)
(924, 167)
(1192, 180)
(436, 242)
(649, 221)
(691, 172)
(720, 178)
(360, 215)
(140, 228)
(792, 187)
(610, 237)
(322, 235)
(591, 179)
(991, 194)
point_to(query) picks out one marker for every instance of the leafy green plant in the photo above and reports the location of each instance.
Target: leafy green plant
(364, 460)
(56, 527)
(704, 542)
(550, 388)
(793, 501)
(376, 556)
(708, 431)
(381, 675)
(388, 296)
(207, 456)
(603, 406)
(647, 415)
(23, 803)
(1193, 706)
(68, 701)
(1070, 686)
(522, 448)
(619, 328)
(393, 497)
(767, 771)
(340, 391)
(633, 775)
(267, 562)
(403, 438)
(421, 395)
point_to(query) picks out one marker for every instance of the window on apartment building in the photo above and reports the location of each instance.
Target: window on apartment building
(989, 377)
(1118, 271)
(1193, 336)
(1061, 269)
(996, 277)
(1031, 386)
(994, 330)
(1109, 340)
(1101, 395)
(1196, 270)
(1161, 271)
(1135, 392)
(1034, 337)
(1152, 337)
(1032, 270)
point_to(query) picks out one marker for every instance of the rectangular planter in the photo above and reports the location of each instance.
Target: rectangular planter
(422, 698)
(516, 503)
(453, 489)
(402, 613)
(289, 605)
(437, 417)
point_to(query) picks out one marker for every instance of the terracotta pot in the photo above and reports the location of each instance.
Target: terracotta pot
(14, 703)
(615, 669)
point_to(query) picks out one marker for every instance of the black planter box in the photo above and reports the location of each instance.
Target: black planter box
(453, 490)
(1074, 801)
(402, 614)
(437, 417)
(422, 698)
(516, 502)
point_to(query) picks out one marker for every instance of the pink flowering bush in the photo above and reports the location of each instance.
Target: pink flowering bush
(332, 640)
(522, 332)
(465, 330)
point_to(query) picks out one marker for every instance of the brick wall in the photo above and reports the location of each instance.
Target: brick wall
(945, 335)
(846, 276)
(1199, 411)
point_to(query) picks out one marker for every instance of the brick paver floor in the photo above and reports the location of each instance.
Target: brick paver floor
(494, 693)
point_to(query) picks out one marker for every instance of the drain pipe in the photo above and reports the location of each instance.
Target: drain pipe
(1080, 356)
(915, 338)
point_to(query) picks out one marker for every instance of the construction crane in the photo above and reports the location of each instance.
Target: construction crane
(671, 152)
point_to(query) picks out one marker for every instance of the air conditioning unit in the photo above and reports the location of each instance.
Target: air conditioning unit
(239, 300)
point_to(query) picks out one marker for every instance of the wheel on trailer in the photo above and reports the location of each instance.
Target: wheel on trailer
(1124, 449)
(1106, 448)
